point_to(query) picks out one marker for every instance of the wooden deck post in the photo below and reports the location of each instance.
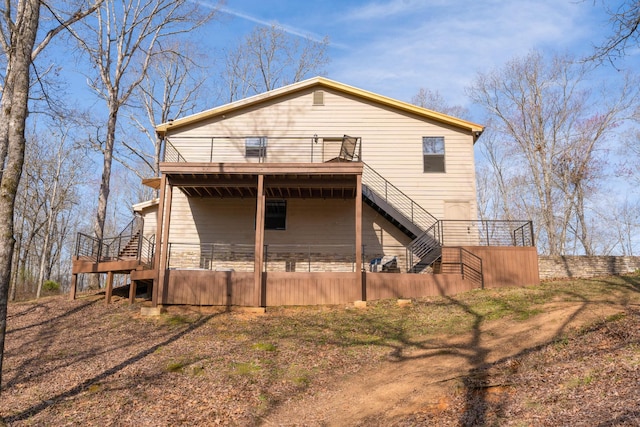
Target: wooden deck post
(259, 243)
(74, 281)
(156, 255)
(162, 266)
(132, 290)
(109, 289)
(358, 203)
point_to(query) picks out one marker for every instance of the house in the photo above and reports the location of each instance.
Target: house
(314, 193)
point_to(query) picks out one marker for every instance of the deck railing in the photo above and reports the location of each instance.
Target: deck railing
(256, 149)
(146, 250)
(382, 259)
(211, 256)
(341, 257)
(486, 233)
(461, 261)
(277, 257)
(309, 258)
(128, 244)
(90, 248)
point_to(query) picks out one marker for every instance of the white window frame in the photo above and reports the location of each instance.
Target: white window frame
(433, 154)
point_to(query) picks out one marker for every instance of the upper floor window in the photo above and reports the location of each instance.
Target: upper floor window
(255, 147)
(433, 153)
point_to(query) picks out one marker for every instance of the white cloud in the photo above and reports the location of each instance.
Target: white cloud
(377, 10)
(394, 47)
(286, 28)
(442, 45)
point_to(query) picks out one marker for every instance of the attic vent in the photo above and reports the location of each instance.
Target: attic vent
(318, 97)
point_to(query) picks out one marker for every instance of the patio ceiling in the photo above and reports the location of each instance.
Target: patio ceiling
(291, 185)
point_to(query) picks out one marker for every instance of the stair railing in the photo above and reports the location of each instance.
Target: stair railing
(147, 250)
(374, 182)
(426, 248)
(109, 248)
(471, 267)
(426, 245)
(120, 242)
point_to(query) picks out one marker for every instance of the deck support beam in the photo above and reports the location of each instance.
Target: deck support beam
(109, 289)
(159, 260)
(132, 290)
(156, 255)
(358, 237)
(259, 243)
(164, 256)
(74, 282)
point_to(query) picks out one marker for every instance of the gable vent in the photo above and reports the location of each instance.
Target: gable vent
(318, 97)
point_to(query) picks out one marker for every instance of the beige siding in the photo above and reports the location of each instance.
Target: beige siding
(150, 216)
(309, 222)
(322, 227)
(381, 238)
(391, 142)
(208, 220)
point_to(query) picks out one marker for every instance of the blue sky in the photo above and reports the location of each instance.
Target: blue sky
(395, 47)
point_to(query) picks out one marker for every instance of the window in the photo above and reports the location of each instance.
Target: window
(433, 153)
(255, 147)
(275, 215)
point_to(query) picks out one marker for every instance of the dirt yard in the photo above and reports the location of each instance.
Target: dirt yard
(563, 353)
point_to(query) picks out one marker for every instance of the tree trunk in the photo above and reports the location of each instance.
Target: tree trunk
(103, 196)
(5, 110)
(51, 214)
(20, 65)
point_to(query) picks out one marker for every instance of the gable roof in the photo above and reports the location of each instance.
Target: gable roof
(322, 82)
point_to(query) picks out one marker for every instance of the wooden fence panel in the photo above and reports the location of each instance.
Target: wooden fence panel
(204, 287)
(311, 288)
(405, 285)
(507, 266)
(501, 266)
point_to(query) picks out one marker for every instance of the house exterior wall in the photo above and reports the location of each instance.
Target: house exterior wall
(323, 228)
(150, 216)
(391, 143)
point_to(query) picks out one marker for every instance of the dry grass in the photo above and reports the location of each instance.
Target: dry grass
(84, 363)
(589, 378)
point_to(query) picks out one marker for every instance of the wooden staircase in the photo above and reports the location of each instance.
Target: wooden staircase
(130, 250)
(409, 217)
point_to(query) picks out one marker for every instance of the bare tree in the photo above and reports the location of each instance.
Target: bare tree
(59, 182)
(626, 223)
(494, 180)
(552, 130)
(433, 100)
(19, 34)
(624, 19)
(121, 43)
(47, 195)
(269, 58)
(172, 87)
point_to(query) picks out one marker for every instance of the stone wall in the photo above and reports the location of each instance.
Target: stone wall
(554, 267)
